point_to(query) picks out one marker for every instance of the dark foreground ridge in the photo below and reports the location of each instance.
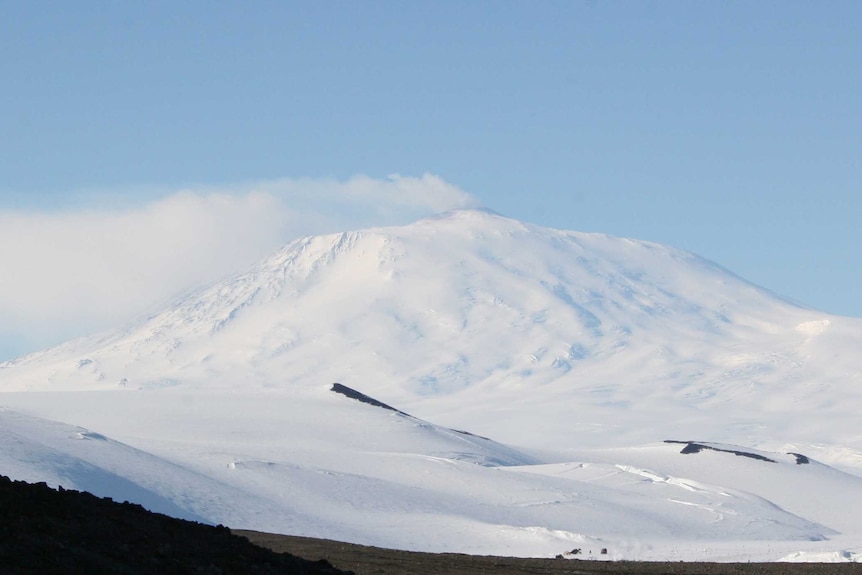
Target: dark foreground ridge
(49, 531)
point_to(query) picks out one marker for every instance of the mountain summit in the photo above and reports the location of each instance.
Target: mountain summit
(471, 309)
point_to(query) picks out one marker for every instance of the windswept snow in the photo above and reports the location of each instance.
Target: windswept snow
(542, 371)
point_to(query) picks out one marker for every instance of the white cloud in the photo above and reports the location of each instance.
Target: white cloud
(371, 201)
(69, 273)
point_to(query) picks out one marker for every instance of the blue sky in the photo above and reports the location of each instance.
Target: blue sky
(731, 129)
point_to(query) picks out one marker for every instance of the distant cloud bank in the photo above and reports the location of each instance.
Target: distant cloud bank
(72, 272)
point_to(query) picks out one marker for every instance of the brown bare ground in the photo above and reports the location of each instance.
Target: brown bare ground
(364, 560)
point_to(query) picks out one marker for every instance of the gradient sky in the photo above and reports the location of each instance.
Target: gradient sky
(731, 129)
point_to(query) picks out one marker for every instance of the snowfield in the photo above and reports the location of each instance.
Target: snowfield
(535, 378)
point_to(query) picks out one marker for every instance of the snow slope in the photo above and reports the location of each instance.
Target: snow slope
(271, 460)
(581, 353)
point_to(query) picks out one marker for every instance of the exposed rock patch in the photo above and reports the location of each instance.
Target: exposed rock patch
(694, 447)
(361, 397)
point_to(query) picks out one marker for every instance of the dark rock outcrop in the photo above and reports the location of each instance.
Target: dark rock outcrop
(361, 397)
(694, 447)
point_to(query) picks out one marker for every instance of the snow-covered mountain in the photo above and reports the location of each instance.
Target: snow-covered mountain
(464, 316)
(583, 352)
